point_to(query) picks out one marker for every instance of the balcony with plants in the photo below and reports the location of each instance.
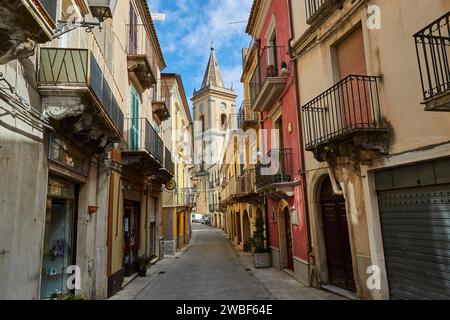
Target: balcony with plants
(269, 79)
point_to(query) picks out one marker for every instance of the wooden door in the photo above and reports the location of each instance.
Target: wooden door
(131, 237)
(288, 233)
(337, 241)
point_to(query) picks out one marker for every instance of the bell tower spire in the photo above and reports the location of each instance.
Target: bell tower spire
(213, 76)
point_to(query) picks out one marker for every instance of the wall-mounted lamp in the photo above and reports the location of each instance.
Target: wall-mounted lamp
(100, 10)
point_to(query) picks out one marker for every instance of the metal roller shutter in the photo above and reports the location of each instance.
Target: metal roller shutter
(415, 225)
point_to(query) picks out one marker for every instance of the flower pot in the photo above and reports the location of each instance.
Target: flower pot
(143, 272)
(262, 260)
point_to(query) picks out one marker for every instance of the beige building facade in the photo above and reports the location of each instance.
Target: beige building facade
(376, 162)
(84, 129)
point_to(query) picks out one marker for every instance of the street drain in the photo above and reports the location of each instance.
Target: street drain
(162, 272)
(248, 269)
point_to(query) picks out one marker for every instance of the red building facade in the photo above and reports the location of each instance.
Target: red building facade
(273, 94)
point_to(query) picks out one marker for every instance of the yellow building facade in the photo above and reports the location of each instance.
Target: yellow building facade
(177, 132)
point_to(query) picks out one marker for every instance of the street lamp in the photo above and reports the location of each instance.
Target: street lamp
(100, 10)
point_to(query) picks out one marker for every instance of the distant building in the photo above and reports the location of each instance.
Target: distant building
(213, 105)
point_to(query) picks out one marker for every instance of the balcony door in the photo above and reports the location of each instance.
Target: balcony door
(134, 132)
(133, 31)
(351, 60)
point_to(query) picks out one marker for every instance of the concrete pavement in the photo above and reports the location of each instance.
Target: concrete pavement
(210, 269)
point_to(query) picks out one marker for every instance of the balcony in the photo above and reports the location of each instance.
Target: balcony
(269, 79)
(142, 61)
(275, 177)
(433, 52)
(229, 190)
(144, 150)
(247, 118)
(318, 10)
(246, 187)
(25, 23)
(346, 119)
(169, 164)
(161, 107)
(80, 96)
(181, 198)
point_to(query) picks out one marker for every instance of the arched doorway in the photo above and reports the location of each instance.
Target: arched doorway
(337, 241)
(246, 232)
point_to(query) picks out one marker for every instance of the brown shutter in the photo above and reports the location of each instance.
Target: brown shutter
(350, 55)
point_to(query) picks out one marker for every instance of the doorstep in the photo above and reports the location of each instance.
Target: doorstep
(339, 291)
(128, 280)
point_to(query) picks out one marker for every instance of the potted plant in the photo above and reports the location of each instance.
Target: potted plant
(143, 262)
(271, 71)
(261, 253)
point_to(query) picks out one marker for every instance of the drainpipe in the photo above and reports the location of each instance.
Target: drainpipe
(300, 132)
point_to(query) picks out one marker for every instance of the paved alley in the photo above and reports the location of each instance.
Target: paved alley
(210, 269)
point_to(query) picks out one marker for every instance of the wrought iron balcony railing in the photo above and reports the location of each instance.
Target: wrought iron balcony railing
(433, 53)
(350, 106)
(181, 197)
(75, 69)
(185, 197)
(142, 137)
(139, 45)
(246, 183)
(269, 65)
(169, 164)
(246, 115)
(319, 8)
(278, 170)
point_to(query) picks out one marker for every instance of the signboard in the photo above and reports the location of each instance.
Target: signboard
(294, 217)
(61, 152)
(61, 189)
(171, 185)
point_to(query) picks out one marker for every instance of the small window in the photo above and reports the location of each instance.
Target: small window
(223, 121)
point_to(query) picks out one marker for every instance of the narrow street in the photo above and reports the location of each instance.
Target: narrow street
(210, 269)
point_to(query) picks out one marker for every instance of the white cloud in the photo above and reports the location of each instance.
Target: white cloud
(190, 27)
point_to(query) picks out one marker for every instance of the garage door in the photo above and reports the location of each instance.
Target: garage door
(414, 204)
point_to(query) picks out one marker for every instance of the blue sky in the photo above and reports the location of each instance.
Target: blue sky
(189, 29)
